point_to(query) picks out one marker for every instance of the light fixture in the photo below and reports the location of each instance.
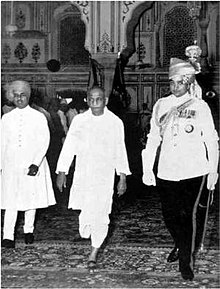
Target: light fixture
(11, 28)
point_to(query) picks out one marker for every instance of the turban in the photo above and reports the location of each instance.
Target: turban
(180, 67)
(24, 85)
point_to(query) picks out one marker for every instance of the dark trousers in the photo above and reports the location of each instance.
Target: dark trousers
(183, 216)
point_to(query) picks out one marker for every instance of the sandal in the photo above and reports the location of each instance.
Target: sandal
(91, 264)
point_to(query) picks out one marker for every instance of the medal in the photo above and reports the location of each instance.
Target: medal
(189, 128)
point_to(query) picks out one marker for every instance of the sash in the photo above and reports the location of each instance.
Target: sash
(163, 121)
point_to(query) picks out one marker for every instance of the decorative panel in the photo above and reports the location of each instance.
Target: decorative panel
(147, 21)
(146, 87)
(72, 40)
(42, 17)
(179, 32)
(26, 47)
(148, 96)
(131, 77)
(161, 77)
(45, 78)
(162, 90)
(148, 77)
(27, 77)
(22, 16)
(40, 78)
(133, 92)
(105, 45)
(146, 49)
(70, 78)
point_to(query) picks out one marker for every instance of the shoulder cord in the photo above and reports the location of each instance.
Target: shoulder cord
(163, 121)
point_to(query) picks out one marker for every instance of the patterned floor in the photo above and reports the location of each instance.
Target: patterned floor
(52, 265)
(133, 256)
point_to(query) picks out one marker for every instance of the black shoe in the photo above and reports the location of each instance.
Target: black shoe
(6, 243)
(29, 238)
(174, 255)
(187, 274)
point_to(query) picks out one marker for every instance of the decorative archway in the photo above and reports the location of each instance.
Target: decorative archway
(132, 23)
(69, 29)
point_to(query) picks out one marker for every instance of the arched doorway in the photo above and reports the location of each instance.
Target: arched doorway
(68, 36)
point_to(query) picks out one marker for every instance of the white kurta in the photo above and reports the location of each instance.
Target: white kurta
(98, 143)
(187, 139)
(25, 140)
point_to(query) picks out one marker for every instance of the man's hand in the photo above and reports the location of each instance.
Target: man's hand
(149, 178)
(61, 181)
(32, 170)
(122, 185)
(212, 180)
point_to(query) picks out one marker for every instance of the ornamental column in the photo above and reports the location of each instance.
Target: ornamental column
(203, 24)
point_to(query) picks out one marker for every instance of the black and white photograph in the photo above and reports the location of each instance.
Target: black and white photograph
(110, 144)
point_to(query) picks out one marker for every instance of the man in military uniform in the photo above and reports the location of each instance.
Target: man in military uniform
(183, 125)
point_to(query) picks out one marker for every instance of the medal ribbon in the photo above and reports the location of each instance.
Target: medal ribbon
(166, 117)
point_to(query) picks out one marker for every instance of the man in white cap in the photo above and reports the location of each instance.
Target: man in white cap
(183, 125)
(26, 181)
(96, 138)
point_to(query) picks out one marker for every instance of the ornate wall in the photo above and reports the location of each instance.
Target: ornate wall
(69, 30)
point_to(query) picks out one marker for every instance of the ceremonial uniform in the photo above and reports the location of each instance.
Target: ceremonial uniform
(183, 127)
(183, 150)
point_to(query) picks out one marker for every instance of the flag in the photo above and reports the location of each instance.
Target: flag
(119, 98)
(95, 74)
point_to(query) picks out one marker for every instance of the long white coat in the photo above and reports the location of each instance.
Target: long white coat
(98, 143)
(25, 140)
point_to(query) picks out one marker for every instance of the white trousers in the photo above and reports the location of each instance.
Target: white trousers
(10, 219)
(96, 229)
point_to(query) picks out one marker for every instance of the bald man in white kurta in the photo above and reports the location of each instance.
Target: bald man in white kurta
(97, 141)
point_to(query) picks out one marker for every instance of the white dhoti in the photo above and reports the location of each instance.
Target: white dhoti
(98, 144)
(95, 226)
